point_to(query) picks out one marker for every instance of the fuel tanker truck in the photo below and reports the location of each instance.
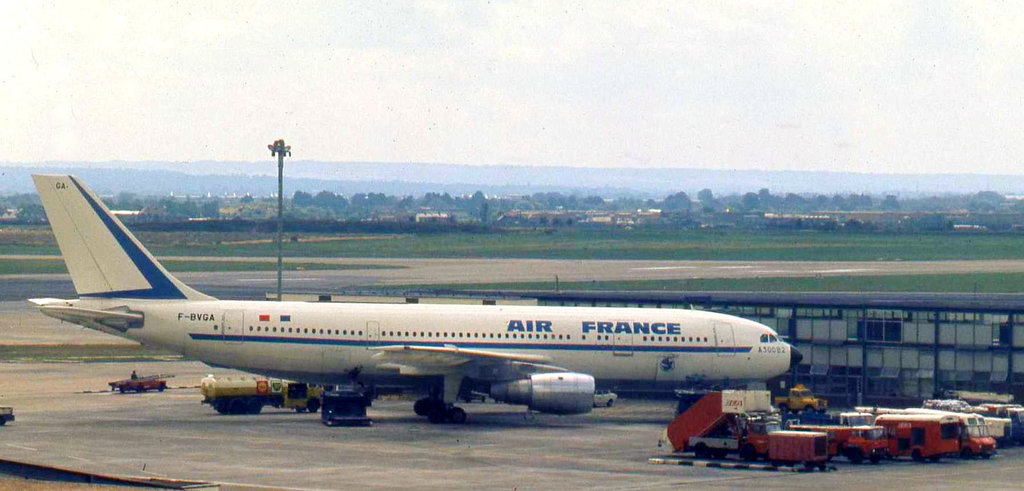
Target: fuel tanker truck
(243, 394)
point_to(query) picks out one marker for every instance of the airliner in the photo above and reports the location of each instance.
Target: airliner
(546, 358)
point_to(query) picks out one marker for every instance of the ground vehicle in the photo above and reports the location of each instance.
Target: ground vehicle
(141, 384)
(974, 439)
(247, 395)
(6, 414)
(605, 398)
(856, 443)
(1012, 412)
(345, 407)
(799, 399)
(856, 419)
(921, 436)
(724, 422)
(809, 448)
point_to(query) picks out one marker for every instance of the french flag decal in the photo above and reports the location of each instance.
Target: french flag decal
(286, 318)
(264, 317)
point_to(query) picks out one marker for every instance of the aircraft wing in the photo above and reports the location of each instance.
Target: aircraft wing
(448, 359)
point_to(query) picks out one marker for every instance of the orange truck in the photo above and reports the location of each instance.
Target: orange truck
(856, 443)
(921, 436)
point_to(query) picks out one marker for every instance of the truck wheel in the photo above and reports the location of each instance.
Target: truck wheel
(161, 388)
(313, 405)
(238, 406)
(855, 455)
(966, 453)
(254, 406)
(916, 455)
(748, 453)
(700, 451)
(986, 456)
(875, 458)
(121, 389)
(421, 407)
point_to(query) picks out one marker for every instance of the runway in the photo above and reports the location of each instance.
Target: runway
(253, 285)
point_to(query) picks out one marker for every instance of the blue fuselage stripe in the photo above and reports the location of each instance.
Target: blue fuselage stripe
(472, 344)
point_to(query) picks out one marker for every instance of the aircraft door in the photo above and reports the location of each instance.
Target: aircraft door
(232, 326)
(725, 339)
(623, 344)
(372, 334)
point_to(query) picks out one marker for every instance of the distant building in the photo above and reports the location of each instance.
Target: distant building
(434, 217)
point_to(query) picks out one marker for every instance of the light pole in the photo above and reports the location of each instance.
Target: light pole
(279, 149)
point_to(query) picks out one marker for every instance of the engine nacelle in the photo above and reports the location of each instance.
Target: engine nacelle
(554, 393)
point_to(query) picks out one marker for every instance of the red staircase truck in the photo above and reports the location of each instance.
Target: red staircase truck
(726, 422)
(921, 436)
(809, 448)
(856, 443)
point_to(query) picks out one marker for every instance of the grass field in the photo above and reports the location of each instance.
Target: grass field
(82, 353)
(45, 266)
(939, 283)
(601, 244)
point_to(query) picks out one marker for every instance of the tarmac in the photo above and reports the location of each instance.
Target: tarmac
(61, 422)
(67, 417)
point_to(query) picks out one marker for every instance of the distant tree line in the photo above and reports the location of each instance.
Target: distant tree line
(326, 205)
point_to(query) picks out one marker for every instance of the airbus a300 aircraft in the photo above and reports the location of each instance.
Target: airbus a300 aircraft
(544, 357)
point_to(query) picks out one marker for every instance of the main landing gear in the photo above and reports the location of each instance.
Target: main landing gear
(437, 411)
(439, 407)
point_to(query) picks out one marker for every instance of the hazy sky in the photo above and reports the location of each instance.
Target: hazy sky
(853, 86)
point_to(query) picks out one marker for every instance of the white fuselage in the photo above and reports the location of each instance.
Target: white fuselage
(325, 343)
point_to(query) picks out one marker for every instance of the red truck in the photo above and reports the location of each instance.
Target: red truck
(809, 448)
(716, 425)
(921, 436)
(856, 443)
(140, 384)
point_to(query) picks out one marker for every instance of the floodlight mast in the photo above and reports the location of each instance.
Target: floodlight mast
(279, 149)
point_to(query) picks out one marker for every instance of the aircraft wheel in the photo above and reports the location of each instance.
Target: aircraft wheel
(457, 415)
(437, 415)
(421, 407)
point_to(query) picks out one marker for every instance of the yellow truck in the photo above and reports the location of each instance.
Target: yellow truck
(247, 395)
(801, 398)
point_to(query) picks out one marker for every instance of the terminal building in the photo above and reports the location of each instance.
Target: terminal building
(869, 348)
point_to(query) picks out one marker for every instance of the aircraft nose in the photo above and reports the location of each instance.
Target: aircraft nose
(794, 356)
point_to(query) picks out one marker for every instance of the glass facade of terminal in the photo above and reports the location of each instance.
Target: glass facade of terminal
(884, 355)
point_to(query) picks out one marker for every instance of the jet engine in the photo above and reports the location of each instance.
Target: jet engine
(554, 393)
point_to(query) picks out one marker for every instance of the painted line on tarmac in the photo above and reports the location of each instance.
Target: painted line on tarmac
(729, 465)
(21, 447)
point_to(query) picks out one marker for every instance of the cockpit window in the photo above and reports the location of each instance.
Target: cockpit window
(764, 338)
(773, 338)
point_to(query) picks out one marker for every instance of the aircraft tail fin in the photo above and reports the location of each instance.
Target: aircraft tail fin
(104, 259)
